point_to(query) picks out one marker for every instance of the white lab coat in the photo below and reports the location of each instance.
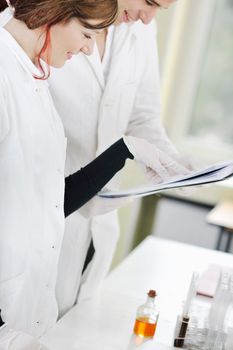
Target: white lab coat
(95, 114)
(32, 160)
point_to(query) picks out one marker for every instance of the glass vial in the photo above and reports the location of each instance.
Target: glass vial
(182, 325)
(147, 317)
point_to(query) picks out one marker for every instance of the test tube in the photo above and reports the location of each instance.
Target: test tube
(179, 340)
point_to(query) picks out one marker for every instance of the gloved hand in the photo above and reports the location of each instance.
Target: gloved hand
(160, 165)
(15, 340)
(190, 162)
(193, 164)
(99, 206)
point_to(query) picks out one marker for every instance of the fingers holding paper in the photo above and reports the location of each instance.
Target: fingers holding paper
(160, 166)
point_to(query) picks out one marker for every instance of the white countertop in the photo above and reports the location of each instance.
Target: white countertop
(106, 321)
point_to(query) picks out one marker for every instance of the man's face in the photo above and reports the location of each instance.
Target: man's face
(144, 10)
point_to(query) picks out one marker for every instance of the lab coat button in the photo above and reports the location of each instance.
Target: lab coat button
(107, 104)
(37, 89)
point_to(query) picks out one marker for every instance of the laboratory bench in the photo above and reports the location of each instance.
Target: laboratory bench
(106, 321)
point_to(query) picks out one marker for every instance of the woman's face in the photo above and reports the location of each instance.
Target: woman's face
(67, 40)
(144, 10)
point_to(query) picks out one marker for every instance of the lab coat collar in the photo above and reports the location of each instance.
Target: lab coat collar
(6, 16)
(96, 65)
(124, 36)
(7, 39)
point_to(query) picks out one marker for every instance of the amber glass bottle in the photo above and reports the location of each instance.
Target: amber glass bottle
(147, 317)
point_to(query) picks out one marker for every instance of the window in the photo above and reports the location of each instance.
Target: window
(212, 116)
(197, 85)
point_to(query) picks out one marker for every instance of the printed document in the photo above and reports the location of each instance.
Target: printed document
(214, 173)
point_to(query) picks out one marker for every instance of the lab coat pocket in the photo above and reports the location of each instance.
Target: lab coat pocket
(126, 104)
(10, 290)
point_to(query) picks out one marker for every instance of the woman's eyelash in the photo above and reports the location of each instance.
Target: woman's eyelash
(87, 36)
(152, 3)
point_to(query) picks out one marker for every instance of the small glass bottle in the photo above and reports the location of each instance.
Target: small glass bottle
(147, 317)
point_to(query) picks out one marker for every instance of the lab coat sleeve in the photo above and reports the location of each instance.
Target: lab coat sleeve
(13, 340)
(4, 118)
(145, 120)
(10, 263)
(10, 260)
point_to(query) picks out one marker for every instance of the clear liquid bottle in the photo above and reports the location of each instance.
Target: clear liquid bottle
(147, 317)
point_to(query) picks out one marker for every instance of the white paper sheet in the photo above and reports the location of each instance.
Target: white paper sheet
(214, 173)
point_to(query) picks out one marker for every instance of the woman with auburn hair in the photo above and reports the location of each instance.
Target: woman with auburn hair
(35, 35)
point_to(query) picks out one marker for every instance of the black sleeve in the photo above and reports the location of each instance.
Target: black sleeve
(81, 186)
(1, 321)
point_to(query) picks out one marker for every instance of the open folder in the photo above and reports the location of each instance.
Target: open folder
(214, 173)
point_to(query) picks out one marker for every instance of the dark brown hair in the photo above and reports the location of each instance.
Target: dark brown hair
(38, 13)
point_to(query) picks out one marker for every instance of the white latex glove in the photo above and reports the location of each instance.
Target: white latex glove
(154, 180)
(191, 163)
(14, 340)
(99, 206)
(160, 165)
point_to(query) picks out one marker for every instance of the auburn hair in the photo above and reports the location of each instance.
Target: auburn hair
(37, 13)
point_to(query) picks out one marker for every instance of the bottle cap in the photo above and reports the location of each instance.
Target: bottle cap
(152, 293)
